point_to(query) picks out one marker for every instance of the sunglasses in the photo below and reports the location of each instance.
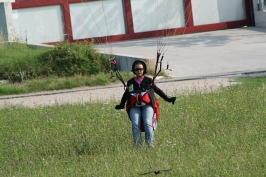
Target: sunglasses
(138, 69)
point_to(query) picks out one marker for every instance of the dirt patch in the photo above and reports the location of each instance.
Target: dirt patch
(106, 94)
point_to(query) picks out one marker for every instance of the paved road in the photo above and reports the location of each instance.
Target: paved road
(214, 53)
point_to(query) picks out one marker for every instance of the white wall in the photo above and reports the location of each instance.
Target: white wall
(260, 16)
(216, 11)
(151, 15)
(6, 22)
(105, 18)
(97, 18)
(39, 24)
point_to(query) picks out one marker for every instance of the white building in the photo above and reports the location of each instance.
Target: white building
(6, 20)
(115, 20)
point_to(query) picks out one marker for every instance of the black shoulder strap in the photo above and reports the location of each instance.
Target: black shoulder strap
(152, 96)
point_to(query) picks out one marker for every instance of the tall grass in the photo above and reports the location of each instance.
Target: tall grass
(219, 133)
(32, 70)
(59, 83)
(20, 62)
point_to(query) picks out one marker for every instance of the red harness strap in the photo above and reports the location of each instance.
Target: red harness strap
(143, 97)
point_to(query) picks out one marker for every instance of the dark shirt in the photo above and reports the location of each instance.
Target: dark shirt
(146, 84)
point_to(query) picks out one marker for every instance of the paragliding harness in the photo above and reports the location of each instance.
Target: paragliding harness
(142, 97)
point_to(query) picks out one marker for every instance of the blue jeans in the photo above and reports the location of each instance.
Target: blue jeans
(145, 114)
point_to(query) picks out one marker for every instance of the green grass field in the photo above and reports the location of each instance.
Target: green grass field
(219, 133)
(59, 83)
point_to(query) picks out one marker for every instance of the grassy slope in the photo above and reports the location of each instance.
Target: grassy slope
(214, 134)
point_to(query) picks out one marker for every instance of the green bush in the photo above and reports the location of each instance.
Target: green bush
(69, 59)
(20, 62)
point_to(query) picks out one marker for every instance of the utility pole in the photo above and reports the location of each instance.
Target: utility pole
(6, 21)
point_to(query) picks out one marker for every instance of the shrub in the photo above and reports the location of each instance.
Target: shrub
(20, 62)
(69, 59)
